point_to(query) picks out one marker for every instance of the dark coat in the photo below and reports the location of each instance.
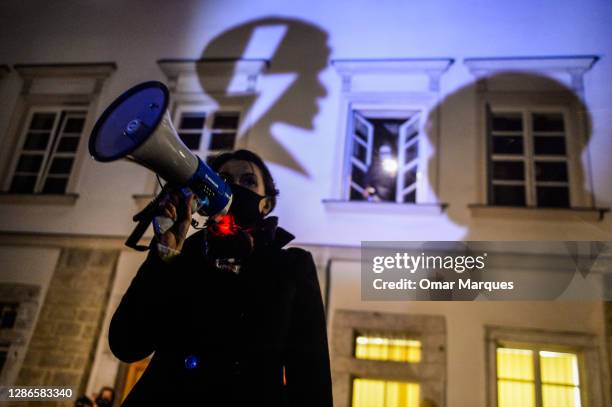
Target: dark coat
(243, 329)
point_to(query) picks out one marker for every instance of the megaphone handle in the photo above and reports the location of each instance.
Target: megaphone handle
(161, 224)
(139, 230)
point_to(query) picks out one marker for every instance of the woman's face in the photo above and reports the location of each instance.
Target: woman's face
(247, 175)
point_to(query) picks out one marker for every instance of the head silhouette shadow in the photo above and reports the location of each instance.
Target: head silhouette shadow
(505, 92)
(300, 53)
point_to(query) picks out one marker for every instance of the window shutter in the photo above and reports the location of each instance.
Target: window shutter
(361, 154)
(408, 160)
(489, 135)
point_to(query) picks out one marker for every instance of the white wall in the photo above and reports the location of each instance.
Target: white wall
(135, 35)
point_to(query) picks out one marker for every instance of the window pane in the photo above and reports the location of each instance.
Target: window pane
(379, 393)
(192, 141)
(511, 195)
(360, 151)
(55, 185)
(411, 134)
(551, 171)
(515, 364)
(68, 144)
(3, 355)
(74, 125)
(553, 197)
(36, 141)
(8, 315)
(29, 163)
(42, 121)
(192, 121)
(507, 145)
(356, 195)
(226, 120)
(507, 122)
(357, 176)
(508, 170)
(61, 165)
(399, 349)
(410, 177)
(23, 183)
(549, 145)
(361, 129)
(411, 153)
(560, 396)
(559, 368)
(514, 394)
(548, 122)
(410, 197)
(222, 141)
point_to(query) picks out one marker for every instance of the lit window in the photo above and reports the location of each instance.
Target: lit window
(384, 158)
(48, 150)
(530, 377)
(397, 349)
(528, 159)
(379, 393)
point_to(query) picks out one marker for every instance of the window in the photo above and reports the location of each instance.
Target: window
(535, 129)
(397, 348)
(8, 315)
(384, 159)
(388, 360)
(19, 305)
(4, 349)
(391, 347)
(538, 368)
(379, 393)
(528, 158)
(390, 127)
(207, 132)
(47, 150)
(43, 150)
(537, 376)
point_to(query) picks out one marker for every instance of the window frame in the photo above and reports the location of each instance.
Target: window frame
(429, 372)
(386, 104)
(536, 348)
(210, 109)
(366, 113)
(52, 85)
(576, 143)
(51, 147)
(529, 158)
(584, 345)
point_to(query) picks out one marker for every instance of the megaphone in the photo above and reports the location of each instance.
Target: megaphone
(137, 127)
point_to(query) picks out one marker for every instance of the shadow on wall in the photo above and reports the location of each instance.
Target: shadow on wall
(532, 130)
(302, 52)
(532, 133)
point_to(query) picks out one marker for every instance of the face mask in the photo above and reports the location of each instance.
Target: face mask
(245, 206)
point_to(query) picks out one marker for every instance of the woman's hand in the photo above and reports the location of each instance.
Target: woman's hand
(175, 206)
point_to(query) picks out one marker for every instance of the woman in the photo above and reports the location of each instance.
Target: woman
(234, 319)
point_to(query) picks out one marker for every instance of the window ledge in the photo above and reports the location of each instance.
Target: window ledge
(8, 198)
(337, 205)
(556, 214)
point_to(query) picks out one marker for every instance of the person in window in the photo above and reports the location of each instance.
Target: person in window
(233, 317)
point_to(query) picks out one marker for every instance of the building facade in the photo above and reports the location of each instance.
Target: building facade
(392, 121)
